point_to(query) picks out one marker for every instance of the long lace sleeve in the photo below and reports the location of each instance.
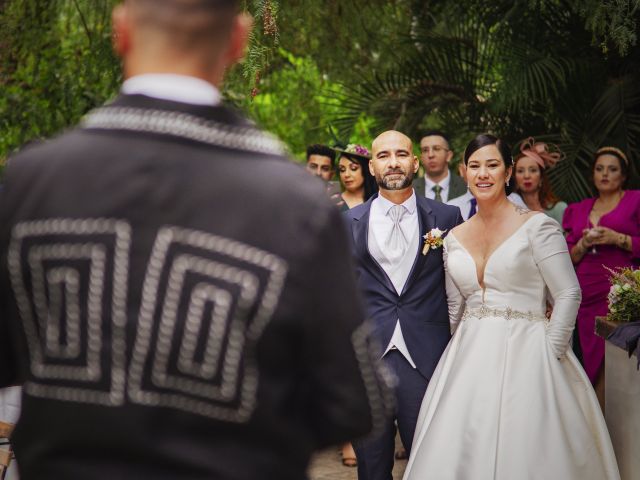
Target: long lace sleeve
(455, 300)
(553, 260)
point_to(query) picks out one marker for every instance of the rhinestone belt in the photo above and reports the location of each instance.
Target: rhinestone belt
(508, 314)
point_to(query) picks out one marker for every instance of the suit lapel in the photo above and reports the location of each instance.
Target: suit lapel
(426, 221)
(360, 231)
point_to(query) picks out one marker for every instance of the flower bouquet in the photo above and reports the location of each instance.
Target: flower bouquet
(624, 295)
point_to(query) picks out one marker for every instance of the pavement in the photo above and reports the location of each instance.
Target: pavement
(327, 465)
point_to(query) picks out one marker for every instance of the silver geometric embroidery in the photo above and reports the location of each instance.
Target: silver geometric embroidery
(63, 283)
(44, 311)
(221, 301)
(248, 285)
(93, 243)
(183, 125)
(239, 315)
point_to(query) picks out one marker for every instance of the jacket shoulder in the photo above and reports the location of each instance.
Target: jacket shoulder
(439, 208)
(357, 211)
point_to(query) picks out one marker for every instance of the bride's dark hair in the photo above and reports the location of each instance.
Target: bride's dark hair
(485, 139)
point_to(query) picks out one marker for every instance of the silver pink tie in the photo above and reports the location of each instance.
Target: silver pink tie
(396, 239)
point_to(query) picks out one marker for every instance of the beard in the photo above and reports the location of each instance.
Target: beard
(400, 181)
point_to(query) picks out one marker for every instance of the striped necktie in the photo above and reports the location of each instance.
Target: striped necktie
(437, 188)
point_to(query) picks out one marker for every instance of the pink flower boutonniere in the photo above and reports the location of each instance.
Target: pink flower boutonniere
(432, 240)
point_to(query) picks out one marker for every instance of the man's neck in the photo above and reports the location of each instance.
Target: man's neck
(397, 196)
(438, 178)
(147, 65)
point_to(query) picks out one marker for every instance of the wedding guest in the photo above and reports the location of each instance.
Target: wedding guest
(532, 183)
(602, 232)
(9, 413)
(439, 183)
(321, 161)
(353, 168)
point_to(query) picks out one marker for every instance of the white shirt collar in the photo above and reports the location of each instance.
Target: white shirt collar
(177, 88)
(409, 203)
(444, 183)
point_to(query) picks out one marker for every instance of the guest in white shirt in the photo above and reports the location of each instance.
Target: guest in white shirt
(438, 183)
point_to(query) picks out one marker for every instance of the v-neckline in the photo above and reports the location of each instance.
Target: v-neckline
(591, 225)
(480, 283)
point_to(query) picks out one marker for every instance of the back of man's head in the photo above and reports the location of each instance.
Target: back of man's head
(182, 33)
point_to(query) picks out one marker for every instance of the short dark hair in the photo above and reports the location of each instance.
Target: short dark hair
(325, 151)
(436, 133)
(485, 139)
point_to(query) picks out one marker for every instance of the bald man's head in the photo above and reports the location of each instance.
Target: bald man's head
(187, 24)
(199, 38)
(391, 136)
(392, 161)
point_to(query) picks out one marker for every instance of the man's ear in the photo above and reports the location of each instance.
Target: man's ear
(416, 164)
(121, 30)
(449, 156)
(371, 168)
(239, 39)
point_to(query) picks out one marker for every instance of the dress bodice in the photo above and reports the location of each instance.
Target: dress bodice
(512, 278)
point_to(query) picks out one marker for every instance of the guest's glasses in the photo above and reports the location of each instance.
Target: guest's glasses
(434, 149)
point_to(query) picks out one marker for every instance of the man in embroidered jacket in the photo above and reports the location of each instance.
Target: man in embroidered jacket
(163, 324)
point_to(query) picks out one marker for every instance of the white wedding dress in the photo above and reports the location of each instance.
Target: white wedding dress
(508, 399)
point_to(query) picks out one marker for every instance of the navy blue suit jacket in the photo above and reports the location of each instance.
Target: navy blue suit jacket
(422, 305)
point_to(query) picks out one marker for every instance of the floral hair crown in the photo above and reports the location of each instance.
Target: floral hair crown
(544, 156)
(357, 149)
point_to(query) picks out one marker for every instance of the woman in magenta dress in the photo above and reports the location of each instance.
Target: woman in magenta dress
(602, 231)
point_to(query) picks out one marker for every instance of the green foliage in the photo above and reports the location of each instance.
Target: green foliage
(57, 64)
(612, 22)
(326, 72)
(514, 70)
(296, 102)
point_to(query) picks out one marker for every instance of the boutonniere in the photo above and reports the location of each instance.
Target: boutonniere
(432, 240)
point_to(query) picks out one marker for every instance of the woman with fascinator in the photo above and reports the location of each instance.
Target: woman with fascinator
(532, 183)
(508, 399)
(602, 232)
(353, 169)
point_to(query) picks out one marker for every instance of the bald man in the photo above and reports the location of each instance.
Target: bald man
(403, 287)
(165, 325)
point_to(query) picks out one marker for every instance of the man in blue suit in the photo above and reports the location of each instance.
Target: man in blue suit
(403, 286)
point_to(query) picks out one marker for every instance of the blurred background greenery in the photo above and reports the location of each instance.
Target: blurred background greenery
(322, 71)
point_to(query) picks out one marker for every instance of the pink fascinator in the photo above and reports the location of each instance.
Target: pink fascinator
(541, 153)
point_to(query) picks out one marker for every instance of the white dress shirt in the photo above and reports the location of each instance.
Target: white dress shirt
(176, 88)
(444, 184)
(463, 202)
(397, 265)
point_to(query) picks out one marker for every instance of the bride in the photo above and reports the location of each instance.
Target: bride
(508, 399)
